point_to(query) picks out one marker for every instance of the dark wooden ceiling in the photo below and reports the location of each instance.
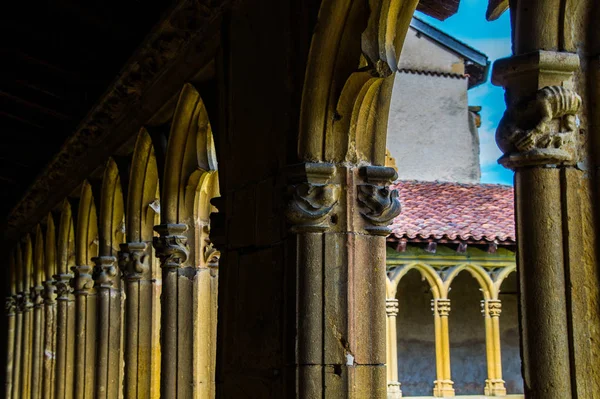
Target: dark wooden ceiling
(58, 57)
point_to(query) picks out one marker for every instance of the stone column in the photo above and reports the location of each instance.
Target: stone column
(25, 391)
(142, 308)
(539, 136)
(37, 340)
(49, 348)
(108, 360)
(19, 302)
(177, 313)
(339, 216)
(491, 309)
(85, 330)
(65, 327)
(391, 308)
(443, 384)
(10, 335)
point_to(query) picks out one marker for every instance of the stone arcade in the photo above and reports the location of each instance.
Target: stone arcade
(245, 141)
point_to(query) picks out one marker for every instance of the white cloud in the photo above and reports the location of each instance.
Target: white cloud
(489, 151)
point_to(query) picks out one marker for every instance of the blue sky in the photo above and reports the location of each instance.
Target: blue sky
(492, 38)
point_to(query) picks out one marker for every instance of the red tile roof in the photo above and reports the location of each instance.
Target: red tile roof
(455, 212)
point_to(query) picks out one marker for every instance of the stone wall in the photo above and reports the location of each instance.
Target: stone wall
(428, 129)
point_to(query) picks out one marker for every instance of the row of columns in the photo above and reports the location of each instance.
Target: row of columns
(443, 385)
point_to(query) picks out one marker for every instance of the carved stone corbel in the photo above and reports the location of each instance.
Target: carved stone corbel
(311, 203)
(105, 271)
(378, 205)
(133, 260)
(171, 247)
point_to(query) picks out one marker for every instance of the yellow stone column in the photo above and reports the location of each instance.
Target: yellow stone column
(391, 308)
(494, 385)
(443, 384)
(26, 348)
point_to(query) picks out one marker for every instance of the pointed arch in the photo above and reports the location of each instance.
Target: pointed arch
(501, 277)
(50, 257)
(191, 147)
(112, 212)
(66, 240)
(27, 263)
(483, 278)
(86, 244)
(143, 191)
(39, 272)
(427, 272)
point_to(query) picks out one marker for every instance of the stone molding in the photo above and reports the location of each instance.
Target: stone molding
(133, 260)
(171, 247)
(105, 271)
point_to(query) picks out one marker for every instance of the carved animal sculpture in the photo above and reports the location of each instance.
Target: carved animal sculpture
(527, 126)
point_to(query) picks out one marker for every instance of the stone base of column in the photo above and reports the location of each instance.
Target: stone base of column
(443, 388)
(393, 390)
(495, 388)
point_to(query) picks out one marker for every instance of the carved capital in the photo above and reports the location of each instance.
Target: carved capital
(49, 292)
(11, 305)
(540, 125)
(171, 247)
(82, 281)
(541, 130)
(491, 307)
(19, 302)
(378, 205)
(63, 287)
(441, 307)
(37, 296)
(26, 301)
(133, 260)
(105, 271)
(391, 307)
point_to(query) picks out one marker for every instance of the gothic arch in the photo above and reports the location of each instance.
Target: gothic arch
(112, 211)
(501, 277)
(428, 272)
(349, 79)
(66, 239)
(86, 244)
(485, 282)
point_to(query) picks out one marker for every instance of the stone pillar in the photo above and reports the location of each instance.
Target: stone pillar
(25, 391)
(49, 345)
(11, 306)
(142, 309)
(491, 309)
(85, 331)
(18, 344)
(37, 341)
(539, 136)
(391, 308)
(177, 314)
(108, 360)
(65, 327)
(339, 216)
(443, 384)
